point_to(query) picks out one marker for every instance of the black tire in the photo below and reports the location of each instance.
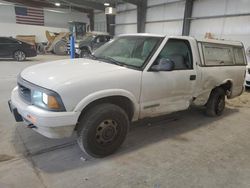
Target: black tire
(102, 130)
(60, 47)
(40, 48)
(19, 55)
(216, 102)
(84, 53)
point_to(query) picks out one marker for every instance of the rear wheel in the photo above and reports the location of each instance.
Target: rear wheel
(216, 102)
(102, 130)
(19, 55)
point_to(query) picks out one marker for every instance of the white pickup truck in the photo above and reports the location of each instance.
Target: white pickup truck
(127, 79)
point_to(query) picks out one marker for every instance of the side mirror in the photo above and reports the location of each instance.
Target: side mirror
(163, 65)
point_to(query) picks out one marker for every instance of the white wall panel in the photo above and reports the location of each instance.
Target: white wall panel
(166, 12)
(7, 14)
(124, 29)
(157, 2)
(54, 19)
(100, 22)
(165, 28)
(208, 7)
(126, 17)
(221, 7)
(125, 6)
(233, 28)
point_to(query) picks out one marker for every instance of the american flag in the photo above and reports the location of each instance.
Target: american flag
(30, 16)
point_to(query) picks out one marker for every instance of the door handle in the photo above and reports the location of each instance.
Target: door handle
(192, 77)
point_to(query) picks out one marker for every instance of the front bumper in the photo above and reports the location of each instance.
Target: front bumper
(47, 123)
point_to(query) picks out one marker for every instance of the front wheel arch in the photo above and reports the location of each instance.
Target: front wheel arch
(123, 102)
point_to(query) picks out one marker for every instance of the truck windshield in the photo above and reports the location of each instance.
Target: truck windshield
(131, 51)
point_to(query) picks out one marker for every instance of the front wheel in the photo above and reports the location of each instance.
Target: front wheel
(19, 55)
(102, 130)
(216, 102)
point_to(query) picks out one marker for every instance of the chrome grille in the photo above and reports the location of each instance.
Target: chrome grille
(24, 93)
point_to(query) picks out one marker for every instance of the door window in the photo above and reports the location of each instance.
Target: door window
(6, 41)
(179, 52)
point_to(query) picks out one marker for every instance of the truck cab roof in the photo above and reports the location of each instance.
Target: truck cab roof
(214, 41)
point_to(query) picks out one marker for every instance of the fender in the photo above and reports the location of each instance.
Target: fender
(108, 93)
(202, 97)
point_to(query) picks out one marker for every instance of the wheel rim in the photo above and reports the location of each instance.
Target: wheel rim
(19, 55)
(106, 132)
(220, 104)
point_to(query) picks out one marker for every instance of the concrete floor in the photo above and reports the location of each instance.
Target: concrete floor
(185, 149)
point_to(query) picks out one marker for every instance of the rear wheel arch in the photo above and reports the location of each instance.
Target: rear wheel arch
(227, 87)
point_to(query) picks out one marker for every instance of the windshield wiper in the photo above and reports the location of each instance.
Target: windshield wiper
(110, 60)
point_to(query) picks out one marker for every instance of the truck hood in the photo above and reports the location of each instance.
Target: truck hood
(54, 74)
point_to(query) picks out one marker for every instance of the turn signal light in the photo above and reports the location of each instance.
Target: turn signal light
(52, 103)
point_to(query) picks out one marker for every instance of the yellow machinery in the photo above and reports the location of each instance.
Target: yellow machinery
(57, 42)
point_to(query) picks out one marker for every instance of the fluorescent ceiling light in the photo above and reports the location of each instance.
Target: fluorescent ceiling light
(58, 4)
(7, 4)
(106, 4)
(56, 11)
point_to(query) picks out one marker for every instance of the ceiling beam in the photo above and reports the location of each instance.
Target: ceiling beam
(85, 4)
(45, 4)
(134, 2)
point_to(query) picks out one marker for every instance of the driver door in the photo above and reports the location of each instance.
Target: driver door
(169, 91)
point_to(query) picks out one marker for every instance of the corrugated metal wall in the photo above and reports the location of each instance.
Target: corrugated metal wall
(126, 19)
(166, 17)
(100, 21)
(235, 25)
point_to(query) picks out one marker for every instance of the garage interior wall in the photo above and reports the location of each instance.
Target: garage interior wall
(166, 17)
(163, 17)
(234, 26)
(100, 23)
(126, 19)
(54, 21)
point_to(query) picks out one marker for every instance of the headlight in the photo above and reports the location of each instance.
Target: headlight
(39, 96)
(50, 100)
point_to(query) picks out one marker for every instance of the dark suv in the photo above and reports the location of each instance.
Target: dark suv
(12, 48)
(90, 43)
